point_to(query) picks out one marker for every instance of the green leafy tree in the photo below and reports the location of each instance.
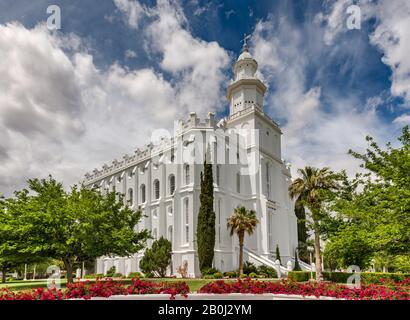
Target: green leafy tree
(157, 258)
(242, 221)
(278, 254)
(206, 220)
(374, 212)
(297, 265)
(73, 226)
(313, 189)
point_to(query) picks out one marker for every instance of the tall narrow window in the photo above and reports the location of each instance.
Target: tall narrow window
(143, 193)
(267, 180)
(186, 217)
(238, 182)
(156, 189)
(187, 176)
(170, 235)
(219, 220)
(130, 197)
(171, 182)
(218, 174)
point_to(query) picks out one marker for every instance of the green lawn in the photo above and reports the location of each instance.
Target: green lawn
(194, 284)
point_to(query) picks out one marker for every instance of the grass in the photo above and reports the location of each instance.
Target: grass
(19, 285)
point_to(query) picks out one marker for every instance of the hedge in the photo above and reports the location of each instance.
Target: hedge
(341, 277)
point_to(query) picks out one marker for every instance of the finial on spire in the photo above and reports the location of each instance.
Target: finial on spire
(245, 43)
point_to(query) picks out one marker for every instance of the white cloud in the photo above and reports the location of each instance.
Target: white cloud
(404, 119)
(314, 133)
(198, 65)
(130, 54)
(133, 11)
(61, 114)
(393, 38)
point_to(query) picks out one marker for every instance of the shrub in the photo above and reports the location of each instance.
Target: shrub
(249, 267)
(208, 271)
(94, 276)
(218, 275)
(395, 291)
(157, 259)
(267, 272)
(209, 276)
(117, 275)
(243, 275)
(253, 275)
(297, 266)
(135, 275)
(342, 277)
(230, 274)
(299, 276)
(110, 271)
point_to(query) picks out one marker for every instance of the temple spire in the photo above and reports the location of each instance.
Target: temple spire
(245, 42)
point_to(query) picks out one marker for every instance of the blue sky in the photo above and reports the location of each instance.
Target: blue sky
(128, 67)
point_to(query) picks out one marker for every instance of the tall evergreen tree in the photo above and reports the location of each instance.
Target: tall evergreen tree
(206, 219)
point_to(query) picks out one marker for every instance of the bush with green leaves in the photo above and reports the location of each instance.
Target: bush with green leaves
(209, 276)
(157, 258)
(94, 276)
(135, 275)
(249, 267)
(218, 275)
(253, 275)
(230, 274)
(117, 275)
(209, 271)
(267, 272)
(110, 272)
(342, 277)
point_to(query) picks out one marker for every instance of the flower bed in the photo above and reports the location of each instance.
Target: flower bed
(387, 291)
(99, 288)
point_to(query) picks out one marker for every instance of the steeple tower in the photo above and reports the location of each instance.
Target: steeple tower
(246, 90)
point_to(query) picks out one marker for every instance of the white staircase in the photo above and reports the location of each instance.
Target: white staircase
(258, 260)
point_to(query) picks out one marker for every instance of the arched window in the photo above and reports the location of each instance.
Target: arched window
(186, 219)
(171, 181)
(131, 197)
(143, 193)
(187, 176)
(238, 182)
(170, 210)
(156, 189)
(155, 213)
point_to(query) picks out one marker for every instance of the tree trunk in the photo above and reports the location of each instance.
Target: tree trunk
(241, 236)
(318, 258)
(69, 269)
(3, 275)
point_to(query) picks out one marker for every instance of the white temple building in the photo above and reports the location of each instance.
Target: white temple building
(163, 180)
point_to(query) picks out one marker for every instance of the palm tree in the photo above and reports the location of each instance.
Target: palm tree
(309, 189)
(241, 221)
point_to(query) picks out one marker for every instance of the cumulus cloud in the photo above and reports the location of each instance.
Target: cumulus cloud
(319, 127)
(61, 114)
(133, 11)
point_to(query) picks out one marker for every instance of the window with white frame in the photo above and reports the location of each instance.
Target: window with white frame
(187, 174)
(268, 184)
(218, 174)
(238, 182)
(170, 210)
(170, 233)
(186, 219)
(130, 197)
(219, 219)
(171, 182)
(143, 193)
(156, 188)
